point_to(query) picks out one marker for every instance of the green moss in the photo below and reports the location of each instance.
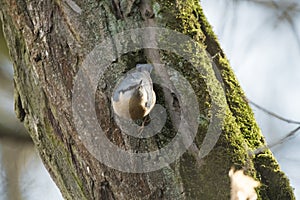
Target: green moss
(267, 168)
(275, 183)
(240, 133)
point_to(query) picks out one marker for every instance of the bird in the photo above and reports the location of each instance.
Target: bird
(134, 97)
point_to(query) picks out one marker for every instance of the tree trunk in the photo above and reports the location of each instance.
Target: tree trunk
(67, 53)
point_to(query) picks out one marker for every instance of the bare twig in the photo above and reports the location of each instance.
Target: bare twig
(273, 114)
(286, 138)
(281, 141)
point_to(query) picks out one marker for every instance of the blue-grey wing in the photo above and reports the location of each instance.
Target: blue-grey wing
(140, 75)
(131, 81)
(144, 67)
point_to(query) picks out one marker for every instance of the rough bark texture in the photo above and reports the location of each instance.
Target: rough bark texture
(48, 41)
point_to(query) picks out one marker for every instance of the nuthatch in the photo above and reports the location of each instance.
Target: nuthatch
(134, 97)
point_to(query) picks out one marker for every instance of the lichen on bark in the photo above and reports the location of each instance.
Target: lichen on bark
(48, 41)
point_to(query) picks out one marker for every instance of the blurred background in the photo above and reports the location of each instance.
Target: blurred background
(262, 40)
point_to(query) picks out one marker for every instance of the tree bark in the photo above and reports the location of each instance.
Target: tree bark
(50, 40)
